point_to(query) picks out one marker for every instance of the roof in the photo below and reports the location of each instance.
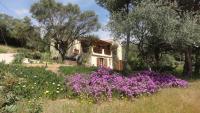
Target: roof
(102, 42)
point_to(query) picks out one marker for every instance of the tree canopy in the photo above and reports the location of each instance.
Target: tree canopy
(63, 24)
(157, 27)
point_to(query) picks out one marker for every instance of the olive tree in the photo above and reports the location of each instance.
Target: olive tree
(63, 24)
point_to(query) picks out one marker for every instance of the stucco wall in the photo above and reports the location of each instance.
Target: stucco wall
(119, 52)
(7, 57)
(54, 52)
(93, 61)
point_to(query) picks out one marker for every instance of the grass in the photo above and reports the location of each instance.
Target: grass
(33, 82)
(8, 49)
(69, 70)
(166, 101)
(172, 100)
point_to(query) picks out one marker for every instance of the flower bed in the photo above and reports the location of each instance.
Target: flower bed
(104, 83)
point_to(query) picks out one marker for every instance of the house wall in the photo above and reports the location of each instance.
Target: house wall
(94, 56)
(119, 52)
(76, 45)
(118, 57)
(93, 61)
(53, 51)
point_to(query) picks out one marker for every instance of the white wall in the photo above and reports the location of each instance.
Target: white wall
(53, 51)
(119, 52)
(93, 61)
(7, 57)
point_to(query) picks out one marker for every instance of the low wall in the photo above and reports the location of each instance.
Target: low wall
(7, 57)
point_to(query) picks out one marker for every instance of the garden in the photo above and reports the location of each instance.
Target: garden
(31, 89)
(154, 57)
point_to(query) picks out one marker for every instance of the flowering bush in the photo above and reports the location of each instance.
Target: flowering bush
(104, 83)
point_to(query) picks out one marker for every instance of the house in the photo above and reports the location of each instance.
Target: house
(107, 53)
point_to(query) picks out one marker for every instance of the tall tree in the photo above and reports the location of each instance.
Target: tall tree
(123, 7)
(63, 24)
(154, 30)
(188, 37)
(184, 7)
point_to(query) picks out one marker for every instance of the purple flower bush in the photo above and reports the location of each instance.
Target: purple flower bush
(104, 83)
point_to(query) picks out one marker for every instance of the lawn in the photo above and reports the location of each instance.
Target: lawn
(166, 101)
(69, 70)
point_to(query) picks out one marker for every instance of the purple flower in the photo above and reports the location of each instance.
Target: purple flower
(103, 83)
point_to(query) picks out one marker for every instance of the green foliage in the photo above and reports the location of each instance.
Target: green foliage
(63, 24)
(167, 64)
(46, 56)
(35, 82)
(18, 58)
(69, 70)
(8, 98)
(36, 55)
(18, 32)
(2, 50)
(188, 32)
(32, 55)
(138, 64)
(116, 5)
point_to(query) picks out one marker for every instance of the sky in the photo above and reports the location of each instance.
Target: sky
(20, 9)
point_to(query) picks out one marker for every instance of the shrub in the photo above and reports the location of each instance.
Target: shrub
(7, 97)
(18, 58)
(104, 83)
(138, 64)
(167, 64)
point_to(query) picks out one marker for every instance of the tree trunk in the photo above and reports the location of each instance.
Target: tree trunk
(157, 58)
(62, 55)
(197, 62)
(126, 54)
(128, 36)
(2, 35)
(187, 71)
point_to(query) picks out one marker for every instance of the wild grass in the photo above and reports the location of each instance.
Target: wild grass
(166, 101)
(8, 49)
(69, 70)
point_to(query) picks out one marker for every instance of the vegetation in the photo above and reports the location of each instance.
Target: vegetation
(8, 49)
(156, 28)
(70, 70)
(19, 33)
(160, 37)
(104, 83)
(63, 24)
(124, 8)
(170, 100)
(33, 82)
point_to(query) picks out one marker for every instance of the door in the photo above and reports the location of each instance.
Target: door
(101, 62)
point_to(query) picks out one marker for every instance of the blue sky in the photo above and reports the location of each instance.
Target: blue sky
(20, 9)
